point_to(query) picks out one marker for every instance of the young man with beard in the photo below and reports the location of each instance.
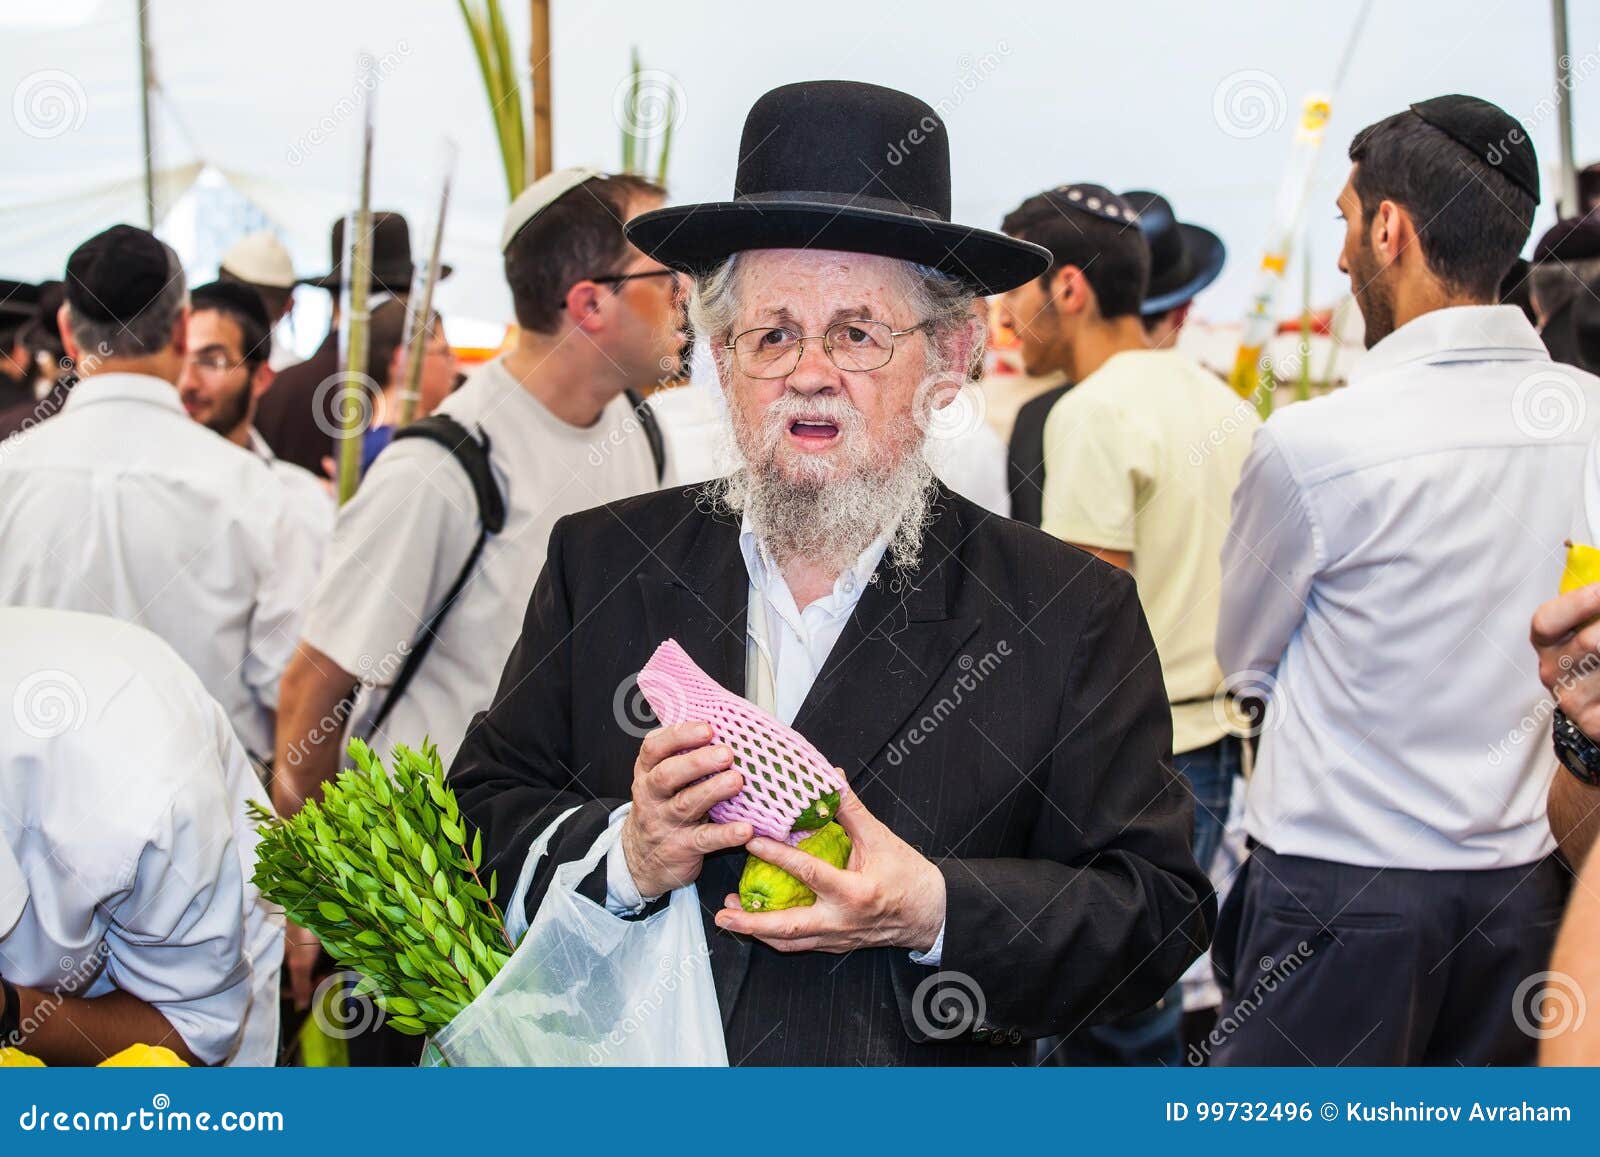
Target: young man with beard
(596, 316)
(1032, 844)
(1389, 544)
(1140, 461)
(225, 374)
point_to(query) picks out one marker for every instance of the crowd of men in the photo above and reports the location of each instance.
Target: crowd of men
(1324, 615)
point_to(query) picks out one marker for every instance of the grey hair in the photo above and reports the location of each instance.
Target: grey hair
(1553, 284)
(149, 332)
(942, 302)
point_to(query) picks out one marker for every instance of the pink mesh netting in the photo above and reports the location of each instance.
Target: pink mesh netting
(783, 773)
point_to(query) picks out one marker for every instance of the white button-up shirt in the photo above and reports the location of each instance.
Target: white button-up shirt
(308, 497)
(1389, 544)
(122, 813)
(122, 505)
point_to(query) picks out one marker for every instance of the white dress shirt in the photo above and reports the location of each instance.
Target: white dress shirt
(1390, 543)
(785, 648)
(309, 498)
(122, 808)
(122, 505)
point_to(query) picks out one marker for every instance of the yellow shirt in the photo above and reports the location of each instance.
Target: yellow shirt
(1143, 456)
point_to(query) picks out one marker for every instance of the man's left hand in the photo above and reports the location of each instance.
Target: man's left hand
(889, 895)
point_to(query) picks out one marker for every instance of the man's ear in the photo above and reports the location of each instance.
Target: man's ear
(180, 333)
(1392, 232)
(69, 344)
(1070, 290)
(583, 305)
(261, 381)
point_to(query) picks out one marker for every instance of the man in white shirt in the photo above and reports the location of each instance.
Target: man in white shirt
(225, 374)
(596, 317)
(1389, 543)
(1140, 461)
(127, 912)
(123, 506)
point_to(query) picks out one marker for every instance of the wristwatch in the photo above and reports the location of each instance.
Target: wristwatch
(1577, 752)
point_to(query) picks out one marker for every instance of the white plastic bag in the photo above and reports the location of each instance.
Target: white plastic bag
(585, 987)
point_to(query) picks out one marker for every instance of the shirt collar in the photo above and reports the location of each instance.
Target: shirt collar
(259, 445)
(1458, 333)
(118, 387)
(763, 568)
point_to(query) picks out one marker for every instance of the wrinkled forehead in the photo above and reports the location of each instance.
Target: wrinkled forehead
(819, 286)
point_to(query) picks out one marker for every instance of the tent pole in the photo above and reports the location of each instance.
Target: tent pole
(1567, 197)
(142, 6)
(539, 162)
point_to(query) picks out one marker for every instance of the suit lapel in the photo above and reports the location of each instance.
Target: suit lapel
(702, 602)
(902, 636)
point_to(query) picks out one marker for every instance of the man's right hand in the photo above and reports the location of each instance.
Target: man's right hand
(1567, 639)
(665, 837)
(301, 951)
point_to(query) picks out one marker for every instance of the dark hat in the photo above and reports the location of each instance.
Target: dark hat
(835, 164)
(1489, 133)
(233, 296)
(392, 268)
(1184, 258)
(1571, 239)
(19, 300)
(116, 275)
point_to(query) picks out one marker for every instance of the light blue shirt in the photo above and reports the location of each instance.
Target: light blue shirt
(792, 644)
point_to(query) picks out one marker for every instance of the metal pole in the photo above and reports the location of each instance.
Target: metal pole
(1567, 196)
(142, 6)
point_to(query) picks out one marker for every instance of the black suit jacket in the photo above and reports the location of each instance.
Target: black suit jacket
(1025, 456)
(1001, 709)
(287, 413)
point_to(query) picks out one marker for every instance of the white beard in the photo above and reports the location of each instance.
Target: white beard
(829, 510)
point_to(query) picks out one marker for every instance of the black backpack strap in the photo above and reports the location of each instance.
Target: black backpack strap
(652, 431)
(473, 456)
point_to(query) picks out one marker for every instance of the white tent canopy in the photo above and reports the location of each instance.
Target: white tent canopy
(1147, 93)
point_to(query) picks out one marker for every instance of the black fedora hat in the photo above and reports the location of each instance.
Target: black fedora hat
(392, 268)
(835, 164)
(1184, 258)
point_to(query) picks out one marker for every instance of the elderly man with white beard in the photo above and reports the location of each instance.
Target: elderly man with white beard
(1021, 859)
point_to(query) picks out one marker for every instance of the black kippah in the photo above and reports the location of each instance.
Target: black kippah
(116, 275)
(233, 296)
(1489, 133)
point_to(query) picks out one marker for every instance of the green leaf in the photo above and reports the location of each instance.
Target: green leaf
(331, 911)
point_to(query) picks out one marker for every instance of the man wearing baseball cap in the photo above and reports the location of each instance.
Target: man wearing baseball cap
(260, 261)
(122, 505)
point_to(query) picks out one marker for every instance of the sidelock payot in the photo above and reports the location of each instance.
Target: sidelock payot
(783, 773)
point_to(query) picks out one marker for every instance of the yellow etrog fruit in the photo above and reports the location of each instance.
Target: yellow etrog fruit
(144, 1057)
(17, 1059)
(766, 887)
(1583, 567)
